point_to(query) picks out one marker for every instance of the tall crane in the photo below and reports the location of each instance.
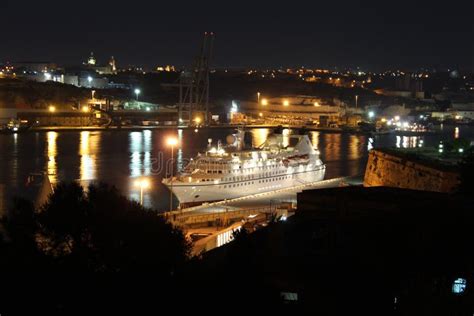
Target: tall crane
(194, 87)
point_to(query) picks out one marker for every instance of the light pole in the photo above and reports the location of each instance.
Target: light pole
(357, 99)
(137, 92)
(172, 141)
(142, 184)
(258, 97)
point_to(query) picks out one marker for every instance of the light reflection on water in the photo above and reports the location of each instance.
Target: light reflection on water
(89, 150)
(259, 136)
(409, 141)
(120, 157)
(52, 152)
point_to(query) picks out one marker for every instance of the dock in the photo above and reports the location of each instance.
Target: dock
(215, 222)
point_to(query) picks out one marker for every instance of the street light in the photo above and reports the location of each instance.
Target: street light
(197, 120)
(137, 92)
(171, 141)
(143, 184)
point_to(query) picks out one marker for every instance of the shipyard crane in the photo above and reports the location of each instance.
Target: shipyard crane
(193, 106)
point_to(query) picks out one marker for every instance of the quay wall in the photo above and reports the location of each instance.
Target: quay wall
(392, 170)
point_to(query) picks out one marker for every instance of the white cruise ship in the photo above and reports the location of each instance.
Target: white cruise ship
(227, 172)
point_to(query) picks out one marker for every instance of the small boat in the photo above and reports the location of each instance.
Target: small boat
(16, 126)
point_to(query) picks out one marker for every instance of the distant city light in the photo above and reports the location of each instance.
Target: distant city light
(461, 150)
(459, 286)
(89, 79)
(52, 109)
(85, 109)
(197, 120)
(397, 118)
(286, 103)
(371, 114)
(316, 104)
(264, 102)
(260, 114)
(47, 76)
(148, 109)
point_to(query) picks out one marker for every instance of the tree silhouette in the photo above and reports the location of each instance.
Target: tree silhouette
(97, 230)
(104, 231)
(18, 247)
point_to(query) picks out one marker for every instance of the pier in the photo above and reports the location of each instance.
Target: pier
(211, 224)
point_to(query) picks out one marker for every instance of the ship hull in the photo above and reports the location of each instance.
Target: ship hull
(195, 193)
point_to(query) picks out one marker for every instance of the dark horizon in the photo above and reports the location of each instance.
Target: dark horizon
(372, 36)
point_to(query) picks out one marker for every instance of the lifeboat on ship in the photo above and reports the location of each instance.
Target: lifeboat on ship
(296, 160)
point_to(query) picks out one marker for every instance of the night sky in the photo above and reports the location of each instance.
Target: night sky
(373, 35)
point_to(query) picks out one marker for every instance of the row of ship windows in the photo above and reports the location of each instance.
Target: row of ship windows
(246, 169)
(259, 181)
(252, 176)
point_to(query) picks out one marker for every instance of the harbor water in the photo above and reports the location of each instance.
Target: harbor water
(120, 158)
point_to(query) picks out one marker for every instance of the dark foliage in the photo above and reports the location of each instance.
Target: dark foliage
(100, 230)
(49, 255)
